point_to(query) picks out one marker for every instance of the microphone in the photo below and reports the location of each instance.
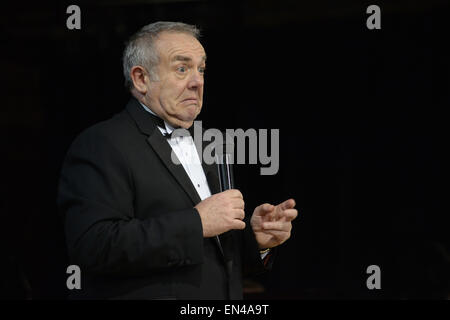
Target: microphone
(224, 166)
(225, 171)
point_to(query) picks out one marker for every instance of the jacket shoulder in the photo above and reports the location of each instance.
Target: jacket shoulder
(112, 129)
(115, 132)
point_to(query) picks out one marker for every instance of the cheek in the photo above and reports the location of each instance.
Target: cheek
(172, 95)
(166, 100)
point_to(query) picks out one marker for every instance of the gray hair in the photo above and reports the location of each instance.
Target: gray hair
(140, 50)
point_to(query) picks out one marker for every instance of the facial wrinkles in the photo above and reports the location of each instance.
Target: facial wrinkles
(169, 48)
(200, 53)
(195, 52)
(167, 108)
(189, 47)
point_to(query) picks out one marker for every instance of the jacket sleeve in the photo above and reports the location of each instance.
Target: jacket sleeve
(253, 263)
(95, 197)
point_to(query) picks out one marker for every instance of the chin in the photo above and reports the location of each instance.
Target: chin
(187, 117)
(190, 116)
(187, 124)
(183, 122)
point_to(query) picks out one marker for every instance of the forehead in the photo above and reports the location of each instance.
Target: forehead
(172, 44)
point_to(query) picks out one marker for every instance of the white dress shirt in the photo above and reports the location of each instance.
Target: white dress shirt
(186, 152)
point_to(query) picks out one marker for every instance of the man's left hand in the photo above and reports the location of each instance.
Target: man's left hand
(272, 224)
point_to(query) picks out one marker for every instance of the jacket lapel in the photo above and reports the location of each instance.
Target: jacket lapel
(212, 177)
(164, 151)
(148, 126)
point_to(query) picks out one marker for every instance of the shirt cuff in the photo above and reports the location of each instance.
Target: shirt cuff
(263, 255)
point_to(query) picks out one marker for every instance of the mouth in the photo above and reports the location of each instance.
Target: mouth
(190, 101)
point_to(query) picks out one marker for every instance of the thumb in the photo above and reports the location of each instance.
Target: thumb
(288, 204)
(265, 208)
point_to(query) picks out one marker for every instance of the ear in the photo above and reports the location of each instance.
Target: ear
(140, 79)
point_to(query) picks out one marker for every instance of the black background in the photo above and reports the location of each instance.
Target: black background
(360, 113)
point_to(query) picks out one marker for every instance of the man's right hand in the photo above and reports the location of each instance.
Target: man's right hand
(222, 212)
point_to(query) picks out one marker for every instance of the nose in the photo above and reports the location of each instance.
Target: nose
(196, 81)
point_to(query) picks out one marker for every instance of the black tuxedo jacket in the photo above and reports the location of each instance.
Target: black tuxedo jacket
(130, 221)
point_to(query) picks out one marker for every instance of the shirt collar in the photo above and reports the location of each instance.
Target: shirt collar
(168, 128)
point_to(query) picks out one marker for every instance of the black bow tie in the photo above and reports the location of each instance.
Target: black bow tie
(160, 123)
(190, 132)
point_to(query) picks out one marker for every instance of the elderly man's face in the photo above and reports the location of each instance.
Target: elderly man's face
(177, 96)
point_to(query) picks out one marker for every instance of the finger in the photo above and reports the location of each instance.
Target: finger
(235, 193)
(238, 203)
(265, 209)
(238, 214)
(277, 226)
(280, 235)
(238, 224)
(290, 214)
(232, 193)
(288, 204)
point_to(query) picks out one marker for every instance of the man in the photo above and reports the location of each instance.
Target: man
(139, 225)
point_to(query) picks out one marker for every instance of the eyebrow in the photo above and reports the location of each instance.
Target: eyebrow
(185, 59)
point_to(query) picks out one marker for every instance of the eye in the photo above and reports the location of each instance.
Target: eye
(181, 69)
(201, 70)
